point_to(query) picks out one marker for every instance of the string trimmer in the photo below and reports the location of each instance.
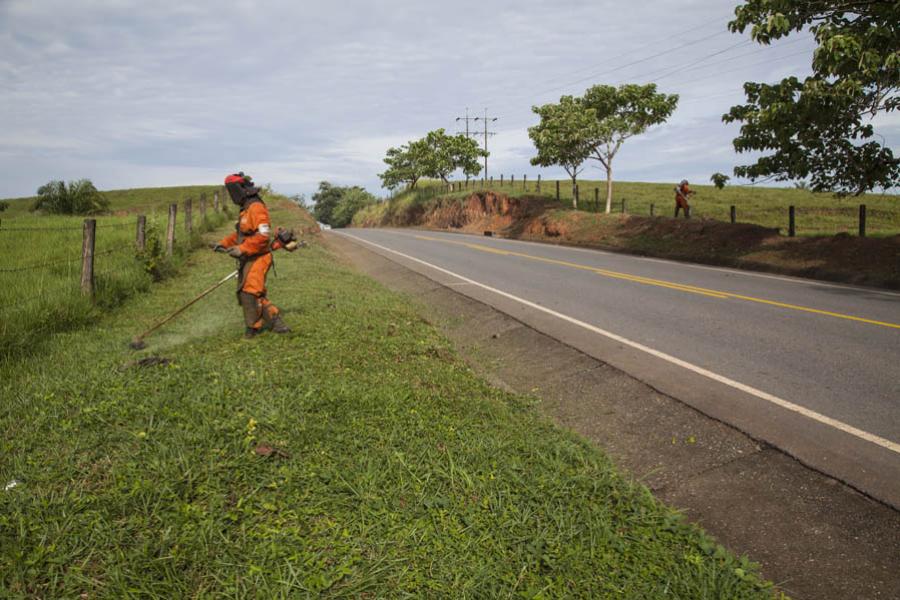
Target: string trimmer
(138, 342)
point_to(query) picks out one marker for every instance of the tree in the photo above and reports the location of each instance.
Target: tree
(406, 164)
(437, 155)
(719, 180)
(77, 198)
(3, 205)
(563, 136)
(443, 154)
(325, 200)
(621, 113)
(820, 129)
(352, 200)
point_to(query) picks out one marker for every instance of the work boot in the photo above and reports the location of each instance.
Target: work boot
(279, 326)
(250, 333)
(272, 317)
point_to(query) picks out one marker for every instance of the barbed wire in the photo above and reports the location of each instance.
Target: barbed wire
(41, 265)
(76, 228)
(79, 228)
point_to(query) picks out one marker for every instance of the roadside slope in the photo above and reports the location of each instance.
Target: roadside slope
(866, 261)
(355, 456)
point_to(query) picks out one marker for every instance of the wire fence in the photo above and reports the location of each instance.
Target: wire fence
(68, 259)
(792, 211)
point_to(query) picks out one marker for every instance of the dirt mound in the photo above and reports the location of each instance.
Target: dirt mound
(481, 211)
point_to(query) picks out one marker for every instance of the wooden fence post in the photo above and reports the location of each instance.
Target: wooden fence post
(557, 190)
(862, 220)
(492, 181)
(140, 239)
(792, 229)
(623, 206)
(652, 207)
(512, 180)
(188, 216)
(539, 184)
(597, 198)
(170, 230)
(216, 201)
(733, 214)
(87, 258)
(525, 182)
(203, 208)
(501, 179)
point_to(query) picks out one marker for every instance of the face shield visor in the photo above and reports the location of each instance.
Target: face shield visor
(240, 187)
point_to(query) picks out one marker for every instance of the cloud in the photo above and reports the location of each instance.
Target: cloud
(134, 93)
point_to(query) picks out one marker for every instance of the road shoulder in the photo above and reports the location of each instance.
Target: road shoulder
(815, 536)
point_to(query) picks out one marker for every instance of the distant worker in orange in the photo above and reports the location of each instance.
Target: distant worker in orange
(249, 244)
(682, 193)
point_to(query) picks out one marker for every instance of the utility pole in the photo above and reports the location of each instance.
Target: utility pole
(468, 135)
(486, 119)
(466, 118)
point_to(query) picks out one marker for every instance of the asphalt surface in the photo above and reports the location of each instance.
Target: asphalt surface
(831, 349)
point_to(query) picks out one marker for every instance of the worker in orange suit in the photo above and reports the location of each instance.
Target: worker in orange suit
(682, 193)
(249, 244)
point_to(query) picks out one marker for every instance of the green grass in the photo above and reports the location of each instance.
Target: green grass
(40, 262)
(816, 214)
(402, 473)
(137, 200)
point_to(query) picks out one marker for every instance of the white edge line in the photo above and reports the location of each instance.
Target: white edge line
(678, 263)
(810, 414)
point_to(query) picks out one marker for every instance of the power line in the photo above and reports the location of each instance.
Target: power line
(693, 65)
(604, 73)
(631, 53)
(731, 71)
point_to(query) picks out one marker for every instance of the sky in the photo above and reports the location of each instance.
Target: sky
(148, 94)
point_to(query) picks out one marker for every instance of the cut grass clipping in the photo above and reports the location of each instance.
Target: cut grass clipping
(355, 457)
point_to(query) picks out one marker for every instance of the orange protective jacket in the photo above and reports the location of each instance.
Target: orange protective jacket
(682, 198)
(251, 235)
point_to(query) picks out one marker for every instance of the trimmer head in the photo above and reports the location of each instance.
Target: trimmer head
(137, 344)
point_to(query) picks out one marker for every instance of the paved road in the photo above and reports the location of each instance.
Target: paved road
(829, 353)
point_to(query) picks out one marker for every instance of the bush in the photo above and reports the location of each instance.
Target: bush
(719, 180)
(77, 198)
(352, 201)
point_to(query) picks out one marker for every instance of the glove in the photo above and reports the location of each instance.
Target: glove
(235, 252)
(291, 246)
(218, 248)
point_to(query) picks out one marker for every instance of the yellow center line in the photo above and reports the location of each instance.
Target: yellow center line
(718, 294)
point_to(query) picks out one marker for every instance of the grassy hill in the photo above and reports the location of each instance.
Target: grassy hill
(817, 214)
(130, 201)
(357, 457)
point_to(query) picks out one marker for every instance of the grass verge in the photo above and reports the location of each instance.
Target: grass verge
(391, 470)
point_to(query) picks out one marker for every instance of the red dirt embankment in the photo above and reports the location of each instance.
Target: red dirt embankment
(845, 258)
